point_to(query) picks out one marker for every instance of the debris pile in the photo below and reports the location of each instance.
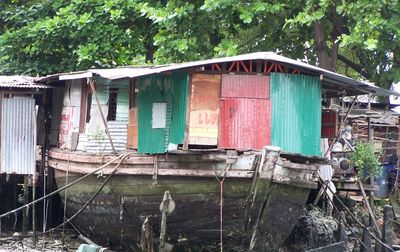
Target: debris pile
(52, 242)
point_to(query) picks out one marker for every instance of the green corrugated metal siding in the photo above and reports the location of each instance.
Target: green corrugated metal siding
(296, 113)
(179, 101)
(122, 98)
(171, 90)
(102, 90)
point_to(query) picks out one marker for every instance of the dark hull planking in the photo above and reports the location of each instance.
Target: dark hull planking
(116, 215)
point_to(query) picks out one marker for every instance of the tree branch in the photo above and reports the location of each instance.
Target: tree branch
(357, 67)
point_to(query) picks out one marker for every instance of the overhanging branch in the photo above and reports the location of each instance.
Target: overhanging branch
(357, 67)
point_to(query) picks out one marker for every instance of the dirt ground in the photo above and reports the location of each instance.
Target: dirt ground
(51, 242)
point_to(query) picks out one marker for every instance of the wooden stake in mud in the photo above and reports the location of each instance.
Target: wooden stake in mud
(387, 229)
(25, 220)
(34, 210)
(167, 206)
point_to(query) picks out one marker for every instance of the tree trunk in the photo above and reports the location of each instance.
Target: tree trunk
(321, 47)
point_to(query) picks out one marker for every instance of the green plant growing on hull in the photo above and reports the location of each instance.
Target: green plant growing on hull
(98, 135)
(366, 159)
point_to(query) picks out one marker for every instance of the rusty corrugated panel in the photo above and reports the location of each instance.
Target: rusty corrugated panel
(245, 123)
(245, 86)
(204, 109)
(296, 113)
(330, 123)
(18, 135)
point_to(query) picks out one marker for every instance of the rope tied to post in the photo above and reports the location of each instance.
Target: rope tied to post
(221, 200)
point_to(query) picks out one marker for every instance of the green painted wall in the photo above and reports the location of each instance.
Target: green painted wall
(296, 113)
(171, 90)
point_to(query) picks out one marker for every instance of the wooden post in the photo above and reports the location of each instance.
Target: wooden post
(25, 220)
(34, 210)
(371, 213)
(372, 180)
(342, 229)
(387, 229)
(167, 206)
(366, 239)
(187, 122)
(102, 116)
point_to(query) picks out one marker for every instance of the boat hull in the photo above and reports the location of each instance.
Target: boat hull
(115, 217)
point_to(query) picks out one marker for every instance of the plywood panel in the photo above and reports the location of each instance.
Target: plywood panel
(204, 109)
(132, 141)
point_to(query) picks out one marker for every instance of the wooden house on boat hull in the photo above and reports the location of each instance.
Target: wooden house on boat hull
(196, 130)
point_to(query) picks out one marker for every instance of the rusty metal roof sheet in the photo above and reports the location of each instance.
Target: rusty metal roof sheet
(16, 81)
(334, 81)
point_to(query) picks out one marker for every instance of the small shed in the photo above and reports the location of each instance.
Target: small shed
(20, 97)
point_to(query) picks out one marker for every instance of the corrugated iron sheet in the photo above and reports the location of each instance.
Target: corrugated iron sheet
(16, 81)
(245, 123)
(18, 135)
(296, 113)
(329, 125)
(100, 143)
(102, 92)
(245, 86)
(343, 82)
(172, 90)
(204, 109)
(179, 104)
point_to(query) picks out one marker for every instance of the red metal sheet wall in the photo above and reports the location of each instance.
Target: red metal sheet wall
(329, 125)
(245, 112)
(245, 86)
(244, 123)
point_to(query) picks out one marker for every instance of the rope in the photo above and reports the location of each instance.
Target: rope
(60, 189)
(91, 198)
(221, 206)
(357, 221)
(65, 196)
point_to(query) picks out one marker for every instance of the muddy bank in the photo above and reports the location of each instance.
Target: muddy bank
(12, 242)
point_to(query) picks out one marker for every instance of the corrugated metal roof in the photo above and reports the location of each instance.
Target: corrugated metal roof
(331, 79)
(20, 82)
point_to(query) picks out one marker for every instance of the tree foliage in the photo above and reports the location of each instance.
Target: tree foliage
(366, 160)
(359, 38)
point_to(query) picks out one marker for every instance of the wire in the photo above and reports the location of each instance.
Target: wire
(91, 198)
(221, 207)
(66, 195)
(349, 212)
(61, 189)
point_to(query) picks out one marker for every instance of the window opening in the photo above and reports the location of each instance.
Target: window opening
(112, 104)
